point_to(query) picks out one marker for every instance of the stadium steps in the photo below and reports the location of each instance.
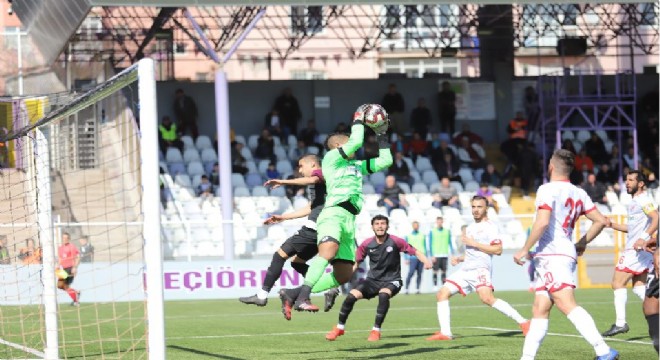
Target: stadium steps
(18, 209)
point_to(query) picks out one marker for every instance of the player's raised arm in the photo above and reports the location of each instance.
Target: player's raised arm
(384, 159)
(302, 212)
(357, 134)
(301, 181)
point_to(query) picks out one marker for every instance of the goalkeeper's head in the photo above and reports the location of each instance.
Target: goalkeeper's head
(336, 140)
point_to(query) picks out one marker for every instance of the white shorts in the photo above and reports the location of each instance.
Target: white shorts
(554, 273)
(467, 281)
(635, 262)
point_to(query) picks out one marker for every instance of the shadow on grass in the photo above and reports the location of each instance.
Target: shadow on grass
(200, 352)
(112, 354)
(418, 351)
(381, 346)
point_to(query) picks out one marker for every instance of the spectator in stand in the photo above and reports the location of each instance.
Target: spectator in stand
(448, 167)
(532, 108)
(399, 144)
(296, 153)
(4, 251)
(418, 146)
(392, 196)
(606, 175)
(467, 156)
(491, 176)
(473, 138)
(420, 118)
(652, 181)
(447, 107)
(527, 166)
(568, 145)
(205, 188)
(86, 250)
(596, 190)
(595, 148)
(238, 162)
(342, 128)
(271, 172)
(579, 176)
(265, 146)
(517, 129)
(214, 176)
(395, 106)
(615, 158)
(583, 159)
(629, 157)
(289, 112)
(185, 111)
(168, 135)
(438, 153)
(647, 134)
(273, 123)
(310, 136)
(400, 170)
(447, 195)
(30, 254)
(486, 192)
(370, 147)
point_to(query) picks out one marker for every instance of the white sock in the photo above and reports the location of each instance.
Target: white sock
(620, 299)
(262, 294)
(444, 317)
(585, 325)
(506, 309)
(340, 326)
(640, 291)
(537, 330)
(375, 328)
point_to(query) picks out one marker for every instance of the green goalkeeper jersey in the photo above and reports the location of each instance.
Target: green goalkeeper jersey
(343, 174)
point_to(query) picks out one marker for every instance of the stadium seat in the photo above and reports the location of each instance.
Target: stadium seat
(292, 141)
(280, 153)
(405, 187)
(253, 141)
(434, 187)
(429, 177)
(191, 207)
(583, 135)
(259, 191)
(477, 174)
(246, 205)
(514, 227)
(322, 138)
(415, 214)
(398, 216)
(195, 180)
(190, 155)
(457, 185)
(284, 167)
(602, 134)
(368, 189)
(625, 198)
(300, 202)
(471, 186)
(608, 146)
(465, 174)
(251, 166)
(464, 198)
(409, 162)
(432, 214)
(312, 150)
(240, 139)
(237, 180)
(377, 179)
(276, 141)
(177, 168)
(173, 155)
(423, 164)
(501, 201)
(415, 175)
(253, 179)
(371, 201)
(209, 156)
(188, 142)
(479, 150)
(247, 154)
(203, 142)
(195, 168)
(280, 192)
(276, 233)
(262, 166)
(419, 188)
(577, 145)
(182, 180)
(567, 135)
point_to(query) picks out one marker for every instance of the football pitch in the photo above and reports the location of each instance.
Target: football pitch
(227, 329)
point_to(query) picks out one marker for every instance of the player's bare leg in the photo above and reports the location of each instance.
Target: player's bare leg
(346, 308)
(272, 274)
(384, 296)
(444, 316)
(583, 322)
(619, 281)
(538, 326)
(75, 295)
(487, 297)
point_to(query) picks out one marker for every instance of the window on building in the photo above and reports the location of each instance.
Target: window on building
(308, 75)
(306, 19)
(415, 68)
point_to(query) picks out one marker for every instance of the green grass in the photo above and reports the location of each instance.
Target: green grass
(227, 329)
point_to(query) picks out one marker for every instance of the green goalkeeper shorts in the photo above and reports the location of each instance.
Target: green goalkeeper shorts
(339, 224)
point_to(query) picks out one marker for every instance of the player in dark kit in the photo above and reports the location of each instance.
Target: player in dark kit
(384, 277)
(651, 303)
(302, 244)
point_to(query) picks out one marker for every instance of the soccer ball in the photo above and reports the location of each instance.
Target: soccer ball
(375, 116)
(61, 274)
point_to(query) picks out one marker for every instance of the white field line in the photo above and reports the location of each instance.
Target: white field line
(23, 348)
(567, 335)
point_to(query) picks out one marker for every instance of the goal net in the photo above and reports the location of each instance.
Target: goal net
(78, 192)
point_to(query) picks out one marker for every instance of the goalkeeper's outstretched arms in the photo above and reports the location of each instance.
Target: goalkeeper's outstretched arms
(357, 134)
(384, 159)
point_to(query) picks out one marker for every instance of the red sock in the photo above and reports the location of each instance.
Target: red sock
(73, 294)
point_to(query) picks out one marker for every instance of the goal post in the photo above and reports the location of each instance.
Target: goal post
(86, 173)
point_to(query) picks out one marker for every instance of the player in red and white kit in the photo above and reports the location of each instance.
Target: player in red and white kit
(482, 241)
(559, 204)
(69, 258)
(634, 263)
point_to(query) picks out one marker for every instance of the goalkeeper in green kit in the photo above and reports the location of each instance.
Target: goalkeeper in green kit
(336, 223)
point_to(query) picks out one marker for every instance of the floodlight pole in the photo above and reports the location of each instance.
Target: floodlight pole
(224, 142)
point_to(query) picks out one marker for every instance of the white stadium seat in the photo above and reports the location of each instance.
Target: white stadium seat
(203, 142)
(190, 155)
